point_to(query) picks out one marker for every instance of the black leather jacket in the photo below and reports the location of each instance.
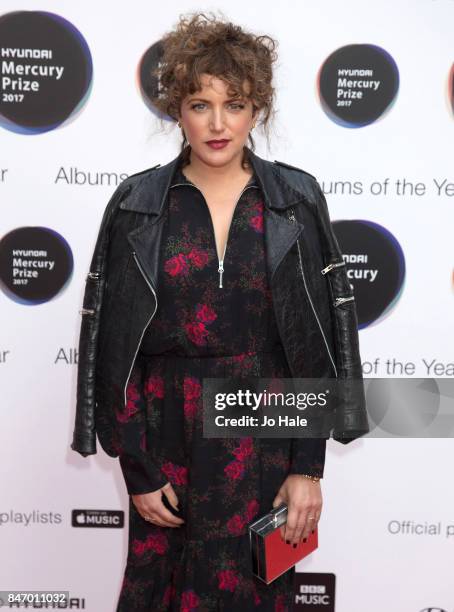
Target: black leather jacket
(315, 310)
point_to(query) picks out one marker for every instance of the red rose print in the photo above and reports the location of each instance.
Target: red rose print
(205, 314)
(190, 409)
(228, 580)
(244, 450)
(189, 601)
(198, 257)
(177, 265)
(132, 396)
(251, 510)
(132, 393)
(155, 386)
(257, 223)
(234, 470)
(191, 388)
(235, 525)
(196, 332)
(169, 594)
(175, 473)
(156, 542)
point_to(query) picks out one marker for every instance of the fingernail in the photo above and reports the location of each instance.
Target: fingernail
(313, 531)
(304, 539)
(294, 545)
(287, 541)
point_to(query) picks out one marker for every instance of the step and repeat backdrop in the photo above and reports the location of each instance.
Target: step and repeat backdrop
(365, 101)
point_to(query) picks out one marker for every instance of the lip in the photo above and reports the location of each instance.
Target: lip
(218, 144)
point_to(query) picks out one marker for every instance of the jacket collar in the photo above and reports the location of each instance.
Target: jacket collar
(149, 194)
(179, 178)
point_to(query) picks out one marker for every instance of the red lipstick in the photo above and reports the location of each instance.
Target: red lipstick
(218, 144)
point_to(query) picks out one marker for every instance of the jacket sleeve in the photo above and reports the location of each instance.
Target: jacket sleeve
(84, 435)
(140, 471)
(128, 441)
(350, 420)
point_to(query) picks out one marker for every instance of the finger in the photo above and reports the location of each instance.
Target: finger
(290, 525)
(171, 496)
(299, 530)
(315, 522)
(309, 523)
(165, 515)
(152, 517)
(282, 530)
(277, 500)
(154, 520)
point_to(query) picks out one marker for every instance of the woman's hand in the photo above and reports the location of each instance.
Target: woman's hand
(151, 508)
(304, 499)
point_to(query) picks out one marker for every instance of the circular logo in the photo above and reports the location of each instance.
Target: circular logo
(146, 81)
(375, 266)
(46, 71)
(357, 84)
(35, 264)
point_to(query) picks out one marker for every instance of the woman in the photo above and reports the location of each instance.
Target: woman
(194, 275)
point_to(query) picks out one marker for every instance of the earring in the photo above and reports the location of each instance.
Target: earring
(179, 124)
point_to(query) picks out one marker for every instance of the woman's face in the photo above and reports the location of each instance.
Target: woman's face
(211, 114)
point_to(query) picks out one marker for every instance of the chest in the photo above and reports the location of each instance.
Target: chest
(221, 212)
(212, 222)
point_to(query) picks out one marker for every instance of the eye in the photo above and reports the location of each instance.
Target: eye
(234, 105)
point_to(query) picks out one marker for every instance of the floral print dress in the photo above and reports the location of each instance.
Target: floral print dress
(202, 330)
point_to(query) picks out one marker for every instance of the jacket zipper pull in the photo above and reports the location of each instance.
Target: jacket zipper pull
(341, 300)
(333, 265)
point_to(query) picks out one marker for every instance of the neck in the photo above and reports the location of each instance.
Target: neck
(204, 173)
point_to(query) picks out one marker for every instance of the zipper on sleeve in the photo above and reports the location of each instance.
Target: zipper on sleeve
(340, 300)
(293, 219)
(333, 265)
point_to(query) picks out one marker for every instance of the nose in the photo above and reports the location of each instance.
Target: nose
(217, 120)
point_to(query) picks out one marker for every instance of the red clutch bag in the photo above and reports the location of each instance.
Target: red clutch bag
(272, 556)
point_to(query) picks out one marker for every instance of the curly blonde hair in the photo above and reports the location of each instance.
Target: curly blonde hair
(202, 43)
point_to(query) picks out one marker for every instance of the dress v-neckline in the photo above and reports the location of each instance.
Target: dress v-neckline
(181, 178)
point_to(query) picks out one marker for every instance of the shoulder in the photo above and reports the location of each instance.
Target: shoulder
(129, 184)
(291, 170)
(299, 179)
(135, 179)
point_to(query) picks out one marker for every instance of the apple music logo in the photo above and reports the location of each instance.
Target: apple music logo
(98, 518)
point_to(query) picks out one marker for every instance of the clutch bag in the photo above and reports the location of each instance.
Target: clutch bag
(271, 556)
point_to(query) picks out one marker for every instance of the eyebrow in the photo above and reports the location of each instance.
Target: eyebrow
(208, 101)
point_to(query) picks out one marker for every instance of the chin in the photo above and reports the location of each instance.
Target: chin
(217, 158)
